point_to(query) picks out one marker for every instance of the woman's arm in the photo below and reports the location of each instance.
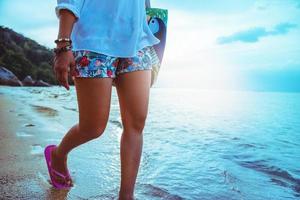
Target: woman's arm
(66, 21)
(64, 60)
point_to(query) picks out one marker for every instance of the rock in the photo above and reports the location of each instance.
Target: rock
(41, 83)
(27, 81)
(8, 78)
(29, 125)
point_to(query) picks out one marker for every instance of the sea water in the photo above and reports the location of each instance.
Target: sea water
(197, 144)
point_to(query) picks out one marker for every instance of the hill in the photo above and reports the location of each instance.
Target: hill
(24, 56)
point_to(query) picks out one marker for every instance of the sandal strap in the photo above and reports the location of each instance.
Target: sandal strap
(66, 181)
(59, 174)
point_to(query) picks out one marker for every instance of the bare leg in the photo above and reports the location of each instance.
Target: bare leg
(133, 91)
(93, 96)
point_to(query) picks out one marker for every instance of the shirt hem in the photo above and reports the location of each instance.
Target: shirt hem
(111, 54)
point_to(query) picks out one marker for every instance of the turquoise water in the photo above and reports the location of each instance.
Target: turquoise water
(197, 144)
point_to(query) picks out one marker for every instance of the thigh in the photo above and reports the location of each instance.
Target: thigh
(133, 92)
(93, 96)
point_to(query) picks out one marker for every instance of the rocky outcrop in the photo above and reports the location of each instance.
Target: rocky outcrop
(41, 83)
(8, 78)
(27, 81)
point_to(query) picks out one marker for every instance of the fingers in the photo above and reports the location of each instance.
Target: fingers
(55, 72)
(61, 74)
(72, 67)
(56, 77)
(63, 62)
(66, 83)
(63, 78)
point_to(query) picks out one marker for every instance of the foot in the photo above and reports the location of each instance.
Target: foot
(59, 164)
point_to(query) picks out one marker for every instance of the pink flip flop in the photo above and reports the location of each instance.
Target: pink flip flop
(47, 154)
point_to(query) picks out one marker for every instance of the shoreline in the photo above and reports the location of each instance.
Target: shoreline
(223, 137)
(23, 172)
(26, 128)
(20, 165)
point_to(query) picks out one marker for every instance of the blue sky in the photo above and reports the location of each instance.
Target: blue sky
(211, 44)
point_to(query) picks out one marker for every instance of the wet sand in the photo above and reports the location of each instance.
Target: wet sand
(23, 171)
(22, 166)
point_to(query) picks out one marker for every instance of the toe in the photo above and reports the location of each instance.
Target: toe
(70, 181)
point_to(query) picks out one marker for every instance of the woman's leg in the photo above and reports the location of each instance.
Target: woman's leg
(93, 96)
(133, 91)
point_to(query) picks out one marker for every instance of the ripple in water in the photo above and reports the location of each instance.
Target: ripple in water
(277, 175)
(157, 192)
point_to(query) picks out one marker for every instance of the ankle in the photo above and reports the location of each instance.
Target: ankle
(59, 155)
(125, 196)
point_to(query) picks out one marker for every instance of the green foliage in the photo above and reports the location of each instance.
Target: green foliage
(24, 56)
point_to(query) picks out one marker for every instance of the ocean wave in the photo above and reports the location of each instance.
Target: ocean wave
(154, 191)
(278, 176)
(72, 109)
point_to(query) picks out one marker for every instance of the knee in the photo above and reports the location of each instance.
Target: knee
(96, 133)
(134, 124)
(93, 132)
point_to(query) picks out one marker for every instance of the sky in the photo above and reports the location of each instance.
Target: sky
(211, 44)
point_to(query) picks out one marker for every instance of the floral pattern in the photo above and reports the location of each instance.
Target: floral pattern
(92, 64)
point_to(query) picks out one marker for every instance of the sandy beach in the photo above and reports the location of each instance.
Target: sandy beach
(23, 172)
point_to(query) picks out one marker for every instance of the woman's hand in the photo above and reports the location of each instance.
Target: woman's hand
(64, 63)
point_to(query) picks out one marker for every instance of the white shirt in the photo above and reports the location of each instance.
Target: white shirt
(116, 28)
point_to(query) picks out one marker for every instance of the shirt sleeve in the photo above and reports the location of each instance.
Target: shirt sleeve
(72, 5)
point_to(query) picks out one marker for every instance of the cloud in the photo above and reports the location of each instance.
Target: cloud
(254, 34)
(282, 29)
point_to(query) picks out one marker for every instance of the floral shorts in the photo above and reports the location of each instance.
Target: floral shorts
(92, 64)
